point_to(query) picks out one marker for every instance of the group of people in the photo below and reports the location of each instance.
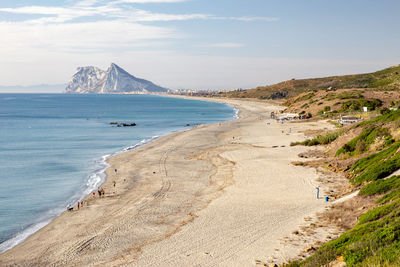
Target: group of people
(78, 205)
(100, 191)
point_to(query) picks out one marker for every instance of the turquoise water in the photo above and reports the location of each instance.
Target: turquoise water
(53, 147)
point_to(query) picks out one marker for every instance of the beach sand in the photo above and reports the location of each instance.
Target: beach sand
(223, 194)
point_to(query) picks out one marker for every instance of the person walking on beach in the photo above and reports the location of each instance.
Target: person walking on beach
(78, 205)
(98, 190)
(102, 192)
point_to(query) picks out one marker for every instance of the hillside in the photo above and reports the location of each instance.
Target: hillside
(368, 154)
(332, 103)
(387, 79)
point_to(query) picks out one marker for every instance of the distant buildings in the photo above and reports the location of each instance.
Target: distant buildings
(195, 92)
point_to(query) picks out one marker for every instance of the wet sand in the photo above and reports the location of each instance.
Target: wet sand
(223, 194)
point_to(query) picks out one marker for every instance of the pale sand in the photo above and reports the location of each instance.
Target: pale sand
(216, 195)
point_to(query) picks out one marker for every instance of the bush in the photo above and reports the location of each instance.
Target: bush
(389, 197)
(320, 139)
(305, 105)
(379, 170)
(384, 111)
(304, 97)
(381, 186)
(374, 159)
(378, 212)
(350, 94)
(368, 136)
(375, 241)
(356, 105)
(360, 146)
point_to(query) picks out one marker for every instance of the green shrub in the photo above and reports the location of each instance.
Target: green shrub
(367, 162)
(330, 96)
(356, 105)
(350, 94)
(304, 97)
(305, 105)
(381, 186)
(379, 170)
(320, 139)
(392, 116)
(395, 194)
(360, 146)
(384, 111)
(376, 241)
(368, 136)
(378, 212)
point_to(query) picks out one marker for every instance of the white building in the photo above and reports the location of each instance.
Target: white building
(287, 116)
(348, 120)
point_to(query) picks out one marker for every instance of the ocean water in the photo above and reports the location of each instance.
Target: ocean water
(53, 147)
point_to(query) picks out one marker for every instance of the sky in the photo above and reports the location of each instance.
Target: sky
(197, 44)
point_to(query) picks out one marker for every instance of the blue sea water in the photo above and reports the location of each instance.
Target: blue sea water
(53, 147)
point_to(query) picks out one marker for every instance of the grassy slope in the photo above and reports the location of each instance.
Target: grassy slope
(388, 79)
(374, 241)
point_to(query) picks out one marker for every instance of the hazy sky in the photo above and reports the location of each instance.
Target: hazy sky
(217, 44)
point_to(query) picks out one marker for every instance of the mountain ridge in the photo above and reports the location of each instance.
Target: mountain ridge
(115, 79)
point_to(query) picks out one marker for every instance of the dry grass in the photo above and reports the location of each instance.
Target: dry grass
(344, 215)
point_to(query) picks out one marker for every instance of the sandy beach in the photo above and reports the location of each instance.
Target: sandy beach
(224, 194)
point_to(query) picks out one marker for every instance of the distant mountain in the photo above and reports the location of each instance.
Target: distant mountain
(114, 80)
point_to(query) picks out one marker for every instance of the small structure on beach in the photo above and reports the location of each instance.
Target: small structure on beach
(345, 120)
(288, 117)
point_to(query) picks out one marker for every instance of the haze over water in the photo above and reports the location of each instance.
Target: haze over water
(53, 147)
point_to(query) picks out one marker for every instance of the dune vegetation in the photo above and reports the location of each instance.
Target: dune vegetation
(374, 241)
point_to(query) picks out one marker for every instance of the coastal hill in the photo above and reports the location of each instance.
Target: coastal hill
(387, 79)
(367, 153)
(115, 80)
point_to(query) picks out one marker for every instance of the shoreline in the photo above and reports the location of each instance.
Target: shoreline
(99, 171)
(143, 194)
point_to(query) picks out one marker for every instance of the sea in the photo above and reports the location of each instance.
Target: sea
(53, 147)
